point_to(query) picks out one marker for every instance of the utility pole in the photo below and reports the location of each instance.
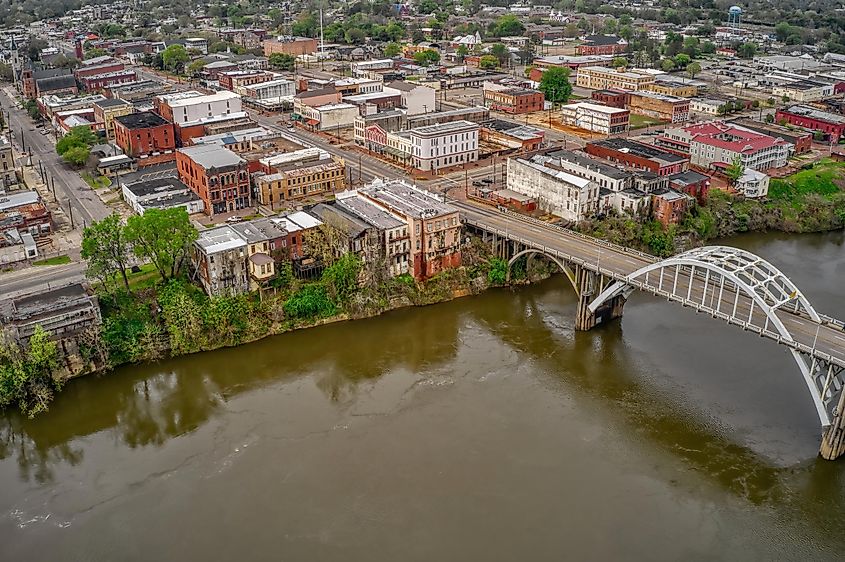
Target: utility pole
(70, 212)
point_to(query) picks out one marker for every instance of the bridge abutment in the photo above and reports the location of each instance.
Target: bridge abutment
(589, 284)
(833, 438)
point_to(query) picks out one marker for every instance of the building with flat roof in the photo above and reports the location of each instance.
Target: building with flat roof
(444, 145)
(659, 106)
(638, 155)
(62, 312)
(219, 256)
(290, 45)
(184, 107)
(602, 78)
(144, 135)
(217, 175)
(165, 192)
(831, 125)
(296, 180)
(571, 197)
(513, 100)
(594, 117)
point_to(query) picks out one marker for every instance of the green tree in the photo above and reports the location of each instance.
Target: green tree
(555, 84)
(28, 375)
(488, 62)
(501, 53)
(508, 25)
(693, 68)
(782, 31)
(106, 249)
(341, 278)
(681, 60)
(77, 155)
(164, 237)
(619, 62)
(78, 137)
(174, 58)
(735, 170)
(667, 65)
(770, 118)
(427, 57)
(94, 52)
(306, 26)
(747, 50)
(354, 36)
(195, 67)
(393, 49)
(31, 107)
(282, 61)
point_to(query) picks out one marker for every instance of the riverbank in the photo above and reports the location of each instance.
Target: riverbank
(156, 320)
(811, 200)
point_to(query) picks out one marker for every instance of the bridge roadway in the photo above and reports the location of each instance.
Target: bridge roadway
(825, 340)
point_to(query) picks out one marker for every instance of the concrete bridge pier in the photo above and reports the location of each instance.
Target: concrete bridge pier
(588, 284)
(833, 438)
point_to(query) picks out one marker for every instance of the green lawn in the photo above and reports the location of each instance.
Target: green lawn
(147, 277)
(826, 178)
(57, 260)
(642, 121)
(96, 182)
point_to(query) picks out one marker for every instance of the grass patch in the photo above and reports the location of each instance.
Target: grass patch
(97, 182)
(57, 260)
(825, 178)
(147, 277)
(643, 121)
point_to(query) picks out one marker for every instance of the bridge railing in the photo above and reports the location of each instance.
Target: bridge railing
(582, 236)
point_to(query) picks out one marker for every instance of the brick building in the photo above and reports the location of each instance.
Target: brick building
(802, 141)
(601, 45)
(290, 46)
(106, 110)
(99, 82)
(639, 155)
(217, 175)
(143, 135)
(831, 125)
(290, 177)
(514, 100)
(611, 98)
(601, 78)
(659, 106)
(719, 142)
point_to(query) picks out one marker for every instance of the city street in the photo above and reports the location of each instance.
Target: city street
(71, 189)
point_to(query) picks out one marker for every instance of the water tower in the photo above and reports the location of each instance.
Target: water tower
(734, 16)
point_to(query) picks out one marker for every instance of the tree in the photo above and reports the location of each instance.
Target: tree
(164, 237)
(195, 67)
(28, 375)
(6, 72)
(354, 36)
(328, 241)
(747, 50)
(106, 249)
(782, 31)
(488, 62)
(427, 57)
(667, 65)
(555, 84)
(78, 137)
(77, 155)
(341, 278)
(282, 61)
(770, 118)
(619, 62)
(693, 68)
(708, 47)
(501, 53)
(174, 58)
(735, 170)
(682, 60)
(31, 107)
(393, 49)
(508, 25)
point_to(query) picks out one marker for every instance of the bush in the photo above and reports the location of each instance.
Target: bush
(498, 272)
(310, 302)
(28, 376)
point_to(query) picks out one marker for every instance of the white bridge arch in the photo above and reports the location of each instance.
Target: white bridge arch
(743, 289)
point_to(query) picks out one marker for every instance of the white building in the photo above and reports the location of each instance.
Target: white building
(416, 98)
(191, 106)
(566, 195)
(594, 117)
(270, 90)
(803, 90)
(161, 193)
(708, 106)
(752, 183)
(329, 117)
(444, 145)
(198, 43)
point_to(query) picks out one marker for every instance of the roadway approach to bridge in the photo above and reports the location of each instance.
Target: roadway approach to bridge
(727, 283)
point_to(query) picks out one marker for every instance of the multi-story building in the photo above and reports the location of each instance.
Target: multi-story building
(300, 178)
(638, 155)
(265, 244)
(268, 90)
(802, 141)
(752, 184)
(566, 195)
(217, 175)
(106, 110)
(235, 79)
(613, 98)
(659, 106)
(804, 91)
(331, 117)
(596, 118)
(444, 145)
(23, 212)
(189, 106)
(601, 45)
(512, 100)
(99, 82)
(719, 142)
(831, 125)
(144, 134)
(8, 177)
(433, 226)
(603, 174)
(219, 256)
(160, 192)
(601, 78)
(61, 312)
(681, 89)
(415, 98)
(199, 44)
(290, 46)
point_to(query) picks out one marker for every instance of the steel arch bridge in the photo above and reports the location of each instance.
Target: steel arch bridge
(744, 289)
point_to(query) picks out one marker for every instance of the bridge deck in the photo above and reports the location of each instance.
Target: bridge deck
(825, 341)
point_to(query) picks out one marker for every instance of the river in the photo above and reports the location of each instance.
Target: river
(480, 429)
